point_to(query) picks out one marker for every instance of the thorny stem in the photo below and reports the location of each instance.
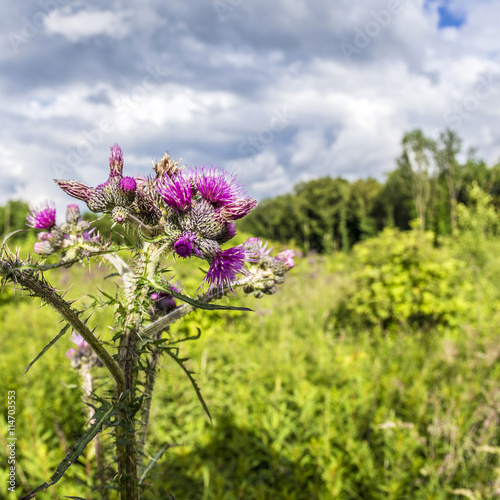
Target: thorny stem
(126, 440)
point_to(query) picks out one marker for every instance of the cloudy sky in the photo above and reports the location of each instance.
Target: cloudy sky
(277, 91)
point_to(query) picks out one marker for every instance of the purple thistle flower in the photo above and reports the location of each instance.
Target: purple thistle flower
(176, 193)
(185, 246)
(128, 184)
(256, 249)
(217, 187)
(78, 340)
(164, 302)
(71, 353)
(224, 268)
(115, 161)
(287, 258)
(89, 237)
(43, 217)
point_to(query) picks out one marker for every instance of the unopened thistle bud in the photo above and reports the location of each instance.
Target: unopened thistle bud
(115, 161)
(44, 248)
(73, 214)
(119, 214)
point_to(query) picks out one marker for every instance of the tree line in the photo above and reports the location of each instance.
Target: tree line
(430, 179)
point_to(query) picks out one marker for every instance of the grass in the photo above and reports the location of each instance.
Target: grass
(301, 408)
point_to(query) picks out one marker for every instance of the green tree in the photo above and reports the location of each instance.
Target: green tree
(448, 147)
(416, 162)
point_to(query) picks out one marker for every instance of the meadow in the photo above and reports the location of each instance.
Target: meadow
(369, 375)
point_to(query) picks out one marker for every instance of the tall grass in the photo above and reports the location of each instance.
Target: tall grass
(302, 409)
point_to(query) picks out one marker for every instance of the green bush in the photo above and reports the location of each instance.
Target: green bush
(403, 279)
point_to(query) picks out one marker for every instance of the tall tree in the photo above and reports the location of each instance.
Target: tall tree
(416, 161)
(446, 158)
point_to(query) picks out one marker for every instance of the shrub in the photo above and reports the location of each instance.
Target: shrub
(402, 279)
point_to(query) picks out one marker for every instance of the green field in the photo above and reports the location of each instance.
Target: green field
(369, 375)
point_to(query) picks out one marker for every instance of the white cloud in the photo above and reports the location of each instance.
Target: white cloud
(83, 24)
(221, 90)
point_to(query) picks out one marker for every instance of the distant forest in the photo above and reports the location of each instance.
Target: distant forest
(426, 186)
(327, 215)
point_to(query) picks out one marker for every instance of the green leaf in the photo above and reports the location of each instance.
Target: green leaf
(154, 461)
(47, 347)
(180, 362)
(100, 418)
(195, 303)
(8, 236)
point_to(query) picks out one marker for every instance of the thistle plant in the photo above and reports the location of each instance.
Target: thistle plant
(177, 213)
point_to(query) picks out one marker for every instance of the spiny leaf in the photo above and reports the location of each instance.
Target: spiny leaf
(47, 347)
(154, 461)
(180, 362)
(195, 303)
(8, 236)
(100, 418)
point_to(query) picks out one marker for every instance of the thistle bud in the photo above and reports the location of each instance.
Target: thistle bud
(44, 248)
(115, 161)
(119, 214)
(73, 214)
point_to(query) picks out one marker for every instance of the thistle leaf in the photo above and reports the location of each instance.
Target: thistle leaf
(47, 347)
(195, 303)
(100, 419)
(154, 461)
(8, 236)
(180, 362)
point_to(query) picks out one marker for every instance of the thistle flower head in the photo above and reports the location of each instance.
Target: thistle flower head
(128, 184)
(256, 249)
(90, 237)
(78, 340)
(43, 217)
(287, 258)
(163, 302)
(185, 246)
(176, 193)
(224, 268)
(217, 187)
(115, 161)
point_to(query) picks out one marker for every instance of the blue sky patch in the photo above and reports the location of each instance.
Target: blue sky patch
(448, 18)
